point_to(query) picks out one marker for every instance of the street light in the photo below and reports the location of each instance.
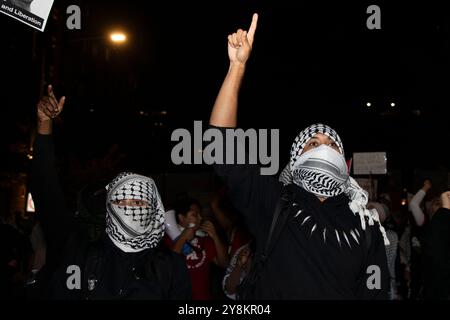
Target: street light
(118, 37)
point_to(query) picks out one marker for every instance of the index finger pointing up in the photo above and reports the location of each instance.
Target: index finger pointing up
(50, 91)
(51, 94)
(252, 29)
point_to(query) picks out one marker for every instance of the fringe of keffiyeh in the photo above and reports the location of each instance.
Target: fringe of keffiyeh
(358, 201)
(359, 198)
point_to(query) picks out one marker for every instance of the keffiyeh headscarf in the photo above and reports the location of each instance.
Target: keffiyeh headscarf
(323, 171)
(133, 228)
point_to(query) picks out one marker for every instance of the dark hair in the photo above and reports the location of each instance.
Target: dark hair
(183, 205)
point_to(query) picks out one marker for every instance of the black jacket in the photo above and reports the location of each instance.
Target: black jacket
(302, 265)
(436, 256)
(119, 275)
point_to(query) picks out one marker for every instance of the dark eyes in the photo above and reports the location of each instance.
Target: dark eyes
(314, 144)
(136, 203)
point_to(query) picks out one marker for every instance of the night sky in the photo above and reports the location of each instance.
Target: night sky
(310, 63)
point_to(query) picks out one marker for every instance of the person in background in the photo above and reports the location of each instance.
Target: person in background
(437, 253)
(232, 230)
(228, 219)
(237, 270)
(416, 201)
(391, 249)
(203, 249)
(413, 237)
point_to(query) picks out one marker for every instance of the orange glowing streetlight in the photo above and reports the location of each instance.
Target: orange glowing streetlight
(118, 37)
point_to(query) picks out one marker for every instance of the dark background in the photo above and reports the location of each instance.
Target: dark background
(312, 62)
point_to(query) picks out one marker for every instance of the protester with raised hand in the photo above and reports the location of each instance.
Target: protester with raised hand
(325, 243)
(127, 261)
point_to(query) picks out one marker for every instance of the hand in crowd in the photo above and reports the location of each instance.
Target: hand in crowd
(426, 185)
(445, 199)
(244, 257)
(189, 233)
(209, 228)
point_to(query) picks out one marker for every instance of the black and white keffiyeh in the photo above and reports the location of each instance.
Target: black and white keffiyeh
(134, 228)
(300, 142)
(323, 171)
(304, 136)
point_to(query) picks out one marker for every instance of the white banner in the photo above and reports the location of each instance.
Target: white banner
(33, 13)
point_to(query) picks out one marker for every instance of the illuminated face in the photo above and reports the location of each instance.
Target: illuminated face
(318, 140)
(191, 217)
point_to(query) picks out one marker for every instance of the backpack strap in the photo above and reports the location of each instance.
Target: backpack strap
(278, 222)
(246, 288)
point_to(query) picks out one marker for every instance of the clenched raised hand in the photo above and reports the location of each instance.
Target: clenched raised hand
(49, 107)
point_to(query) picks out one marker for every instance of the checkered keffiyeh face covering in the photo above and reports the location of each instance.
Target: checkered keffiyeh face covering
(134, 228)
(323, 171)
(303, 137)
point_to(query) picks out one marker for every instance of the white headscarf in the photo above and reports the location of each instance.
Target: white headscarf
(133, 229)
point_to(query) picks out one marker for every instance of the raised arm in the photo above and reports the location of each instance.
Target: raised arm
(224, 113)
(415, 202)
(222, 259)
(45, 188)
(253, 194)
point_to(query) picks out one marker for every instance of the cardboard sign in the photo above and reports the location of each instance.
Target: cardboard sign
(369, 163)
(33, 13)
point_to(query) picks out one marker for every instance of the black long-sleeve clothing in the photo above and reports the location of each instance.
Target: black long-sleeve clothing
(307, 261)
(436, 256)
(67, 246)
